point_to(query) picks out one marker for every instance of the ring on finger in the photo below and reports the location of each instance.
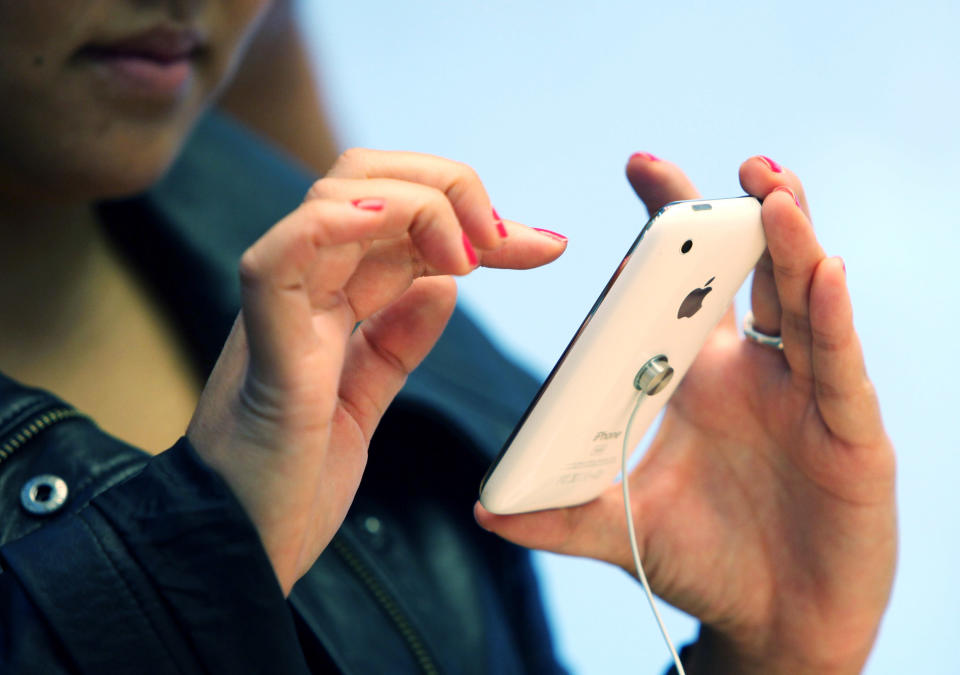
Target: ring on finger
(754, 335)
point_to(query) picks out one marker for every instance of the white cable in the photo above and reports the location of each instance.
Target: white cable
(633, 536)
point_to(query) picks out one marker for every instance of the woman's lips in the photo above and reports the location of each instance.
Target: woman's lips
(157, 63)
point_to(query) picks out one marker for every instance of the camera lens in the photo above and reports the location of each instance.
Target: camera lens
(687, 245)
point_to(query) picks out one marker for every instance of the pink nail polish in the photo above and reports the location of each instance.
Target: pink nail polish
(784, 188)
(369, 204)
(468, 247)
(645, 155)
(551, 234)
(776, 168)
(501, 228)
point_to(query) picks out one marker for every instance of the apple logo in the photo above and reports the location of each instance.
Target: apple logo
(691, 304)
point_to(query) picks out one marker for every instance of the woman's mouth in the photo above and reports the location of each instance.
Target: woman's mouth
(156, 63)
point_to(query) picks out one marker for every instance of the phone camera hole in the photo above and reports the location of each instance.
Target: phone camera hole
(687, 245)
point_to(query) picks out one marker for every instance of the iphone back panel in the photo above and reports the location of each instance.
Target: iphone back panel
(672, 288)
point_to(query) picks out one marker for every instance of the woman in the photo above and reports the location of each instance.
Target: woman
(767, 496)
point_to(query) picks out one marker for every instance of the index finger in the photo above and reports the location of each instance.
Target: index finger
(781, 280)
(456, 180)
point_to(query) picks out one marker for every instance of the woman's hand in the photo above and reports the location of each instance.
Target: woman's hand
(765, 504)
(296, 394)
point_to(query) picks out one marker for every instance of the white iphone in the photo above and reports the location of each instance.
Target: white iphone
(675, 283)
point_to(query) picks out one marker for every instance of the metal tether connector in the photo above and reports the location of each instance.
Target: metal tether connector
(654, 376)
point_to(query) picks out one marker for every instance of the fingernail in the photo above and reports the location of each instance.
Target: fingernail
(551, 234)
(369, 204)
(843, 264)
(645, 155)
(776, 168)
(784, 188)
(468, 247)
(501, 228)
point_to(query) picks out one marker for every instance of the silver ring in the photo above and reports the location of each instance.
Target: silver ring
(754, 335)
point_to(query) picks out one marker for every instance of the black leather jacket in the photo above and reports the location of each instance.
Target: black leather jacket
(150, 565)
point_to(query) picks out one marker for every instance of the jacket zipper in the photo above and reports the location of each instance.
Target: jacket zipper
(388, 604)
(34, 426)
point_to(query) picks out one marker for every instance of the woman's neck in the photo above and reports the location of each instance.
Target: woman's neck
(78, 322)
(52, 272)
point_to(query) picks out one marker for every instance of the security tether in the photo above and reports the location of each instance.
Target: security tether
(651, 379)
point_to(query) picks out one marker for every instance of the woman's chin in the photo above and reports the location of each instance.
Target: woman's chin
(128, 185)
(91, 187)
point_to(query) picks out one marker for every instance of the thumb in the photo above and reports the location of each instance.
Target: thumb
(658, 182)
(386, 347)
(596, 529)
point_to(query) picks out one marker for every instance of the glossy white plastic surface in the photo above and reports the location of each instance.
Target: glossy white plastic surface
(566, 449)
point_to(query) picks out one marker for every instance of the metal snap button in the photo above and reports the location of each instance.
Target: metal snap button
(43, 494)
(373, 530)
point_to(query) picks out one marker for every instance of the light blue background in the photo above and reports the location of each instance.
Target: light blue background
(547, 101)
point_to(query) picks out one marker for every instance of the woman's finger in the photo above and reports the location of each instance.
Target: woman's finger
(585, 530)
(794, 256)
(389, 266)
(460, 183)
(526, 247)
(658, 182)
(304, 262)
(764, 301)
(421, 236)
(389, 345)
(280, 298)
(760, 176)
(419, 211)
(845, 396)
